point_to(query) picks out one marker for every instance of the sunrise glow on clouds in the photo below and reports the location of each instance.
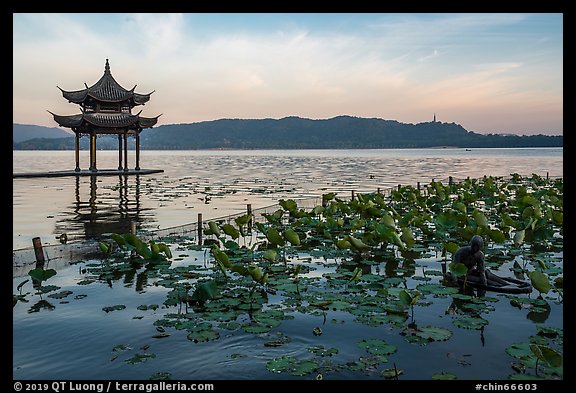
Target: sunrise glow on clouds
(498, 73)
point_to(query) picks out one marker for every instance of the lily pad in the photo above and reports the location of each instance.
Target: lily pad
(60, 295)
(433, 333)
(390, 373)
(376, 346)
(292, 365)
(140, 357)
(160, 375)
(320, 350)
(470, 322)
(255, 328)
(444, 376)
(114, 308)
(436, 289)
(203, 335)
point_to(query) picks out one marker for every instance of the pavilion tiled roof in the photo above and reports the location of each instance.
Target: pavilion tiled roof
(106, 120)
(106, 90)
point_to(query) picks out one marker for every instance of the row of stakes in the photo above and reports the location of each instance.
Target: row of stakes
(39, 253)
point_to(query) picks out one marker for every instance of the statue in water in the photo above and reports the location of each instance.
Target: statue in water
(472, 257)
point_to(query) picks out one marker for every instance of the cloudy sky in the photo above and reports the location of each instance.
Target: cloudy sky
(495, 72)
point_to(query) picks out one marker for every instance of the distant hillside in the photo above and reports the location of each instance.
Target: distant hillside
(342, 132)
(22, 132)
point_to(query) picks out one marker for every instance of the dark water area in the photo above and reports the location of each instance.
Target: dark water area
(78, 338)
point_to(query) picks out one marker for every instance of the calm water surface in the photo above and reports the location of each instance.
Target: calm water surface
(69, 336)
(219, 183)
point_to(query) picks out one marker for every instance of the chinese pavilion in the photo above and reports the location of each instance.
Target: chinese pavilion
(107, 110)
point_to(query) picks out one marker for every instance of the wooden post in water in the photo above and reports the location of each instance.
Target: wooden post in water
(547, 175)
(353, 194)
(450, 180)
(378, 190)
(418, 186)
(249, 212)
(39, 259)
(38, 252)
(200, 224)
(399, 186)
(133, 227)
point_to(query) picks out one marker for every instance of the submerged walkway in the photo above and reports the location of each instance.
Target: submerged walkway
(87, 172)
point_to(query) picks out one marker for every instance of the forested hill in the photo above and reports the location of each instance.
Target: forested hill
(342, 132)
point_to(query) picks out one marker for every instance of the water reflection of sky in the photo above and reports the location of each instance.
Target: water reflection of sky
(219, 183)
(78, 337)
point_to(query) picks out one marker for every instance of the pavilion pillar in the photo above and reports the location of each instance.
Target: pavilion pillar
(119, 152)
(77, 151)
(137, 151)
(93, 148)
(125, 150)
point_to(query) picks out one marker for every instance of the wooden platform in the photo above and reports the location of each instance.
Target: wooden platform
(86, 172)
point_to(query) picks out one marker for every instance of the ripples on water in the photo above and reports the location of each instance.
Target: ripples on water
(219, 183)
(76, 340)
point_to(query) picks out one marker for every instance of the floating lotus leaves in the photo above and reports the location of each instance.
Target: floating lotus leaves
(433, 333)
(160, 376)
(390, 373)
(60, 295)
(436, 289)
(377, 346)
(320, 350)
(292, 365)
(40, 274)
(444, 376)
(114, 308)
(470, 322)
(203, 335)
(140, 357)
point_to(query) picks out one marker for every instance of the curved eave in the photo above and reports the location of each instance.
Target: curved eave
(141, 99)
(148, 122)
(69, 121)
(77, 97)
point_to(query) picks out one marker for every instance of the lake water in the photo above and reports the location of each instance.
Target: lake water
(66, 333)
(219, 183)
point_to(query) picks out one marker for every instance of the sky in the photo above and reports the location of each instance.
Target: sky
(489, 72)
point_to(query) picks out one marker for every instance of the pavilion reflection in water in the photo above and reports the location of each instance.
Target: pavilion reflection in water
(108, 207)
